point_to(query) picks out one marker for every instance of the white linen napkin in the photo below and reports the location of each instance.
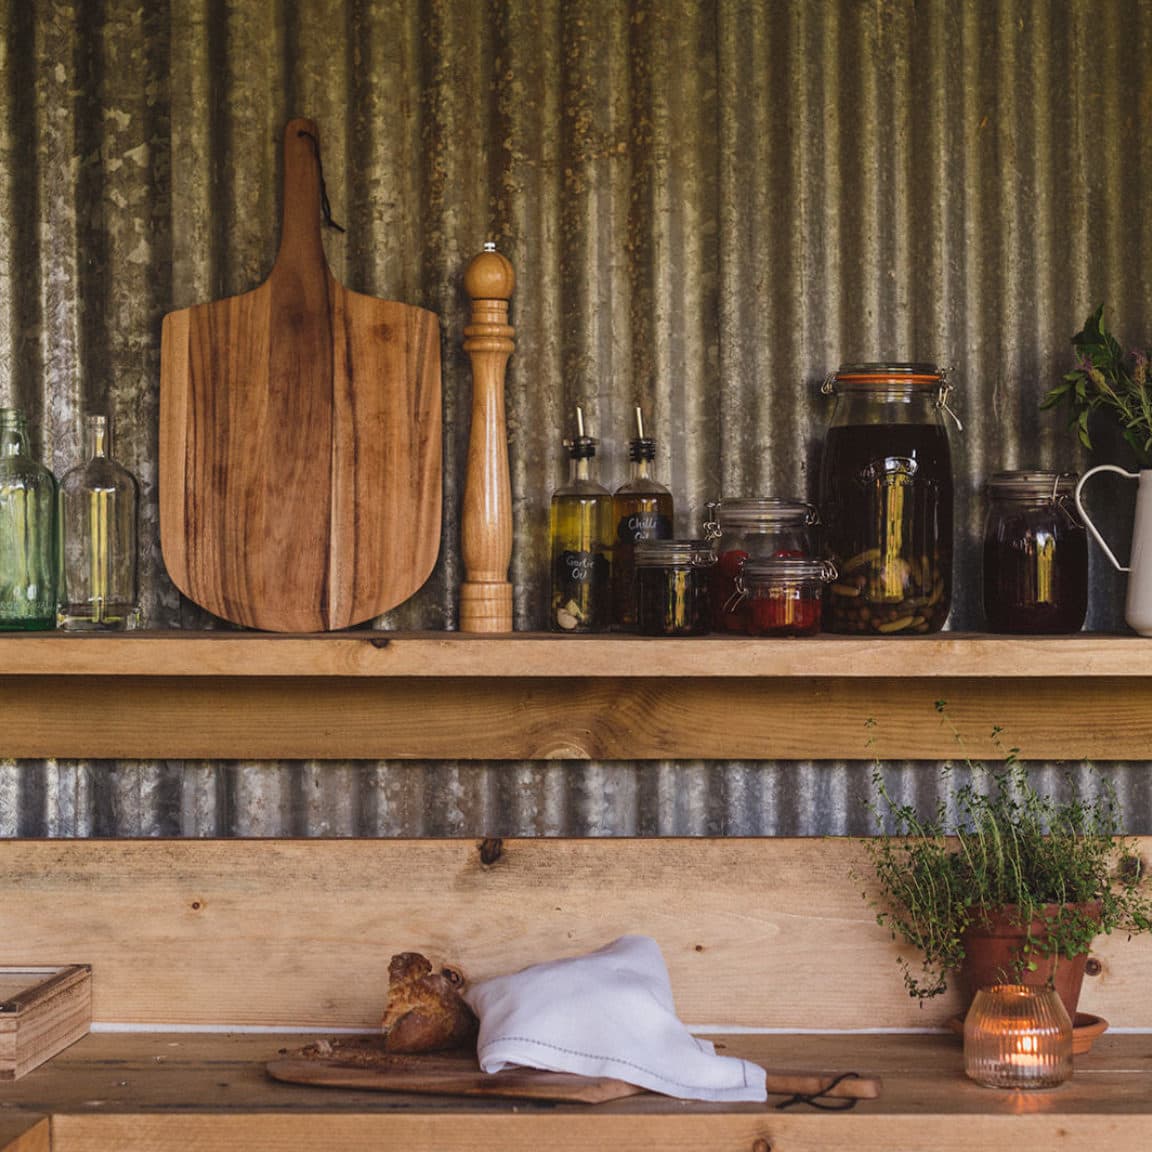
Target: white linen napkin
(609, 1013)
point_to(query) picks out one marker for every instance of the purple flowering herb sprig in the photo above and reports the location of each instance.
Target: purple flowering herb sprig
(1109, 379)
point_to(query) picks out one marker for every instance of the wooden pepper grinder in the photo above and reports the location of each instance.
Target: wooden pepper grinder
(486, 519)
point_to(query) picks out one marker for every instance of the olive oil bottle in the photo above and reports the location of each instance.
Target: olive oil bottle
(580, 530)
(642, 510)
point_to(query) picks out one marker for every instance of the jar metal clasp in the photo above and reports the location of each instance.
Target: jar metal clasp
(712, 523)
(740, 595)
(946, 390)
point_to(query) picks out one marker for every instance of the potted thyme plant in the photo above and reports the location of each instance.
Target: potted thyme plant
(1002, 883)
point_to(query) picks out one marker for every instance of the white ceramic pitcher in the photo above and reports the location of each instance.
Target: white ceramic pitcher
(1138, 607)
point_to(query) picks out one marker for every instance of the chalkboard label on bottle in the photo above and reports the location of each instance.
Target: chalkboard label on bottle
(644, 526)
(582, 567)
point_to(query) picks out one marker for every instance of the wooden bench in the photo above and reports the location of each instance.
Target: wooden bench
(209, 957)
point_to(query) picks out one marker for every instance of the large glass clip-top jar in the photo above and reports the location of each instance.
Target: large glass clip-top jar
(672, 587)
(886, 499)
(1035, 554)
(753, 527)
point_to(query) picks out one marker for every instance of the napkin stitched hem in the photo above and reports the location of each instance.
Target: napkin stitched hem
(614, 1060)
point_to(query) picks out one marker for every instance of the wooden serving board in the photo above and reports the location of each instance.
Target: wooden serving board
(359, 1064)
(449, 1075)
(300, 438)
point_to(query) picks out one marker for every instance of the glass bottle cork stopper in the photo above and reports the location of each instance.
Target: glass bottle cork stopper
(98, 430)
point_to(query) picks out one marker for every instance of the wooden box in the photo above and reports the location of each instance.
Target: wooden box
(42, 1011)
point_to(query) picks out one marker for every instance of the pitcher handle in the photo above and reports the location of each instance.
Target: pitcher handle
(1088, 520)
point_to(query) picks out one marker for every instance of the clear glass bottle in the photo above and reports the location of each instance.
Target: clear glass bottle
(1035, 554)
(886, 499)
(642, 509)
(98, 510)
(580, 531)
(28, 563)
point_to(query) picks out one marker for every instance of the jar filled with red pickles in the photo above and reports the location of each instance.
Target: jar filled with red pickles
(886, 499)
(761, 527)
(784, 596)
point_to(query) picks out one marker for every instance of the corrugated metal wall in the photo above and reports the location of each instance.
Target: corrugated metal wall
(709, 204)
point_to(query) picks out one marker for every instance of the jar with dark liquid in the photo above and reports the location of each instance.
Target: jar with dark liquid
(1035, 555)
(672, 587)
(886, 500)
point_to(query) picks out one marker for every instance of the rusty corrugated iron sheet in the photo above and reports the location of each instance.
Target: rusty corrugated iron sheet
(708, 204)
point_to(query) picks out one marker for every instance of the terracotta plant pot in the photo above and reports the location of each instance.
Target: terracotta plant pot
(992, 950)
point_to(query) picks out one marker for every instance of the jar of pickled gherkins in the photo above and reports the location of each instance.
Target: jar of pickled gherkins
(784, 595)
(672, 587)
(1035, 554)
(886, 499)
(752, 527)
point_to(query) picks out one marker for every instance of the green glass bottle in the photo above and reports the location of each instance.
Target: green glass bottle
(27, 532)
(580, 530)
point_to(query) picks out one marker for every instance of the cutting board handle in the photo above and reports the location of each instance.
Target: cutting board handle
(301, 248)
(486, 518)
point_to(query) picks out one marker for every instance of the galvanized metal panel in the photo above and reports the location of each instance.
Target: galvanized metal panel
(709, 205)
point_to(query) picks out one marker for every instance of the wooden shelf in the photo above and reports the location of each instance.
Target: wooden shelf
(178, 1091)
(372, 695)
(433, 655)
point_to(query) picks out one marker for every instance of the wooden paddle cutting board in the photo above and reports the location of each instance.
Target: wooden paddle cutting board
(300, 438)
(360, 1064)
(450, 1075)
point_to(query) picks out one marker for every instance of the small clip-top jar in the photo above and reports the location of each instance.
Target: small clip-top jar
(753, 527)
(672, 587)
(1035, 554)
(886, 499)
(783, 595)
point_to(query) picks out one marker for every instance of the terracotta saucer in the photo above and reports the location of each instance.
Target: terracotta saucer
(1085, 1029)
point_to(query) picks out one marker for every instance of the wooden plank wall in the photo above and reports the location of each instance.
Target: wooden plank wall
(757, 933)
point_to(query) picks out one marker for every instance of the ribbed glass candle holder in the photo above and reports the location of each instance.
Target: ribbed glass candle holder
(1017, 1037)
